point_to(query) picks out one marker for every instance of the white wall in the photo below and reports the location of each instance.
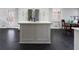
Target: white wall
(78, 11)
(67, 12)
(4, 17)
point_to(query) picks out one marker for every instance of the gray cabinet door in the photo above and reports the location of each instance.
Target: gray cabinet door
(27, 32)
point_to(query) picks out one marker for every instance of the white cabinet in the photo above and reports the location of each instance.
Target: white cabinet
(35, 32)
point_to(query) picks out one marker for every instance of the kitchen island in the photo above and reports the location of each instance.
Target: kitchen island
(35, 32)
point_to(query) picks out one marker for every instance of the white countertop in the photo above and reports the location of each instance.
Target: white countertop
(75, 28)
(31, 22)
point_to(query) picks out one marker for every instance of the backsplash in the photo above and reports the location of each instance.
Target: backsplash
(42, 16)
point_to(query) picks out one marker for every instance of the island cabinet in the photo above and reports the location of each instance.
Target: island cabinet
(35, 32)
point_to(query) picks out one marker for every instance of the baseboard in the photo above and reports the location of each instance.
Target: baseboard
(56, 28)
(35, 42)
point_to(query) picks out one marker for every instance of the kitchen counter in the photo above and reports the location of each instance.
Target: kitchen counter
(76, 38)
(31, 22)
(75, 28)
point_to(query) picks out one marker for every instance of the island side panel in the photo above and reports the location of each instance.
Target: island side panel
(76, 39)
(43, 33)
